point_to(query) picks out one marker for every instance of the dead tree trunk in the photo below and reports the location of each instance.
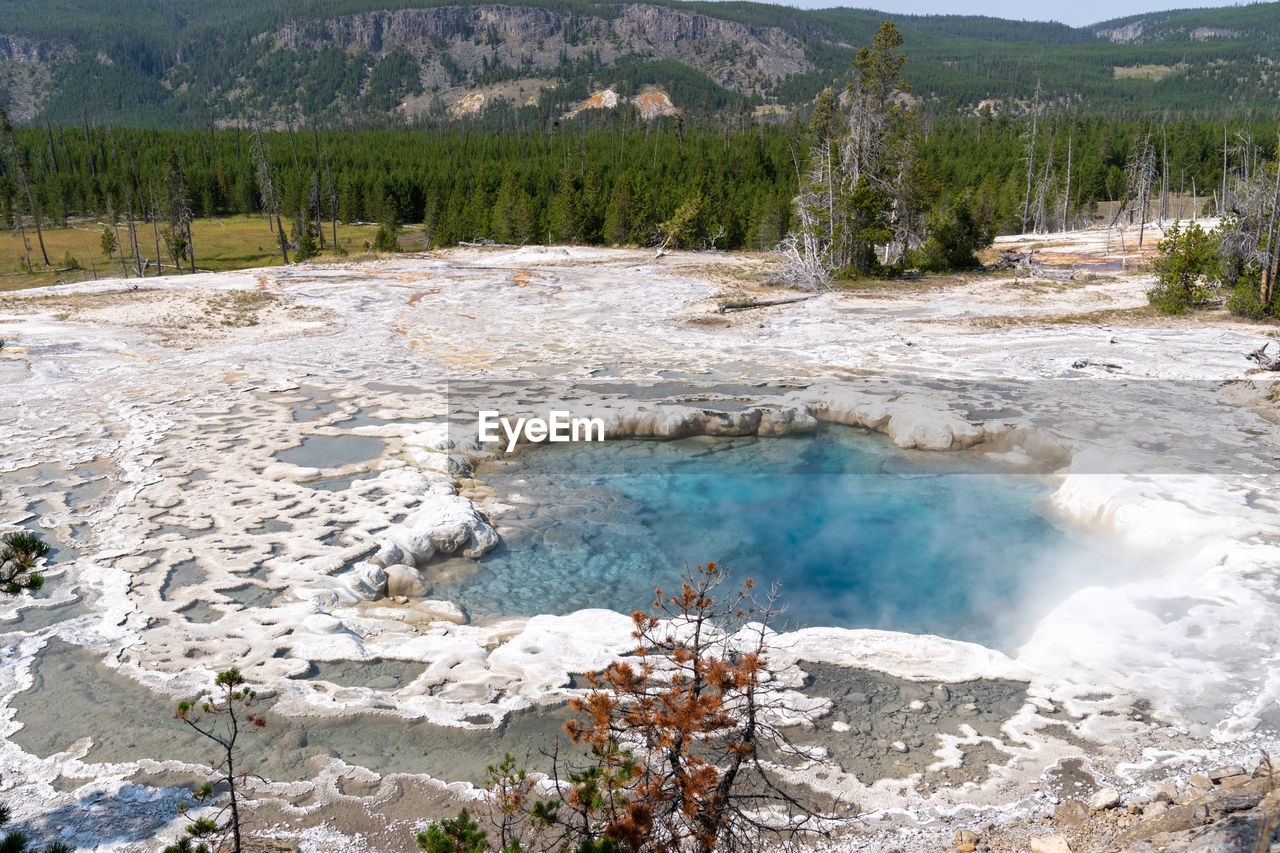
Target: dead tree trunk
(1260, 357)
(1272, 256)
(266, 187)
(1030, 156)
(115, 228)
(155, 231)
(133, 241)
(19, 164)
(1066, 192)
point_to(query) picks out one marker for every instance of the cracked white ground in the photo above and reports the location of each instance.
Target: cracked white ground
(140, 430)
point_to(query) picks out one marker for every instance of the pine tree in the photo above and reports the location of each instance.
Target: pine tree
(562, 212)
(621, 217)
(20, 554)
(512, 219)
(220, 716)
(862, 188)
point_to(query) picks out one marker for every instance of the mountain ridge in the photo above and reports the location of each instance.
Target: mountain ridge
(282, 62)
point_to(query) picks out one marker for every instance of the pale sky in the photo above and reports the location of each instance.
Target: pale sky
(1077, 13)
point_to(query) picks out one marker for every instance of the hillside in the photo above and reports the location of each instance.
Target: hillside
(184, 63)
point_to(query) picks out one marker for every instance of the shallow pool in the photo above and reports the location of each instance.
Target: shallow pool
(331, 451)
(857, 533)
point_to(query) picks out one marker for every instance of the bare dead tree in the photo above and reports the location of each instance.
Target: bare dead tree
(180, 210)
(267, 189)
(155, 231)
(1029, 155)
(132, 227)
(115, 227)
(808, 263)
(331, 194)
(1041, 215)
(1249, 241)
(802, 263)
(1066, 188)
(1140, 178)
(1164, 172)
(20, 165)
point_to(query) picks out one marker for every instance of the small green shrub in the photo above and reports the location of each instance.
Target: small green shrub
(20, 552)
(108, 241)
(1185, 268)
(956, 234)
(1243, 299)
(454, 835)
(307, 247)
(385, 240)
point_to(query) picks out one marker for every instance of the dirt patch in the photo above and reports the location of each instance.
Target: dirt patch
(182, 317)
(910, 285)
(388, 818)
(1142, 315)
(881, 727)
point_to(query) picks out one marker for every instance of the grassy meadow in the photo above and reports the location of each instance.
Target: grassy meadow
(224, 243)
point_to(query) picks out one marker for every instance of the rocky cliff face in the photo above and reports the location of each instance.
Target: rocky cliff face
(32, 51)
(739, 57)
(24, 71)
(1123, 35)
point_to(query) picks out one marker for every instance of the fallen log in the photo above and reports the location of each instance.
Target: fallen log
(1025, 262)
(1081, 364)
(1266, 362)
(758, 303)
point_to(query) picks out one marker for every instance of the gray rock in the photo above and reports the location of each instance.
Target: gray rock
(1223, 772)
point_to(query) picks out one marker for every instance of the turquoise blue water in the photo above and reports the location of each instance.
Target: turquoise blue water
(856, 532)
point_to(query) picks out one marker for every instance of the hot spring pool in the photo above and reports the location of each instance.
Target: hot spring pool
(857, 532)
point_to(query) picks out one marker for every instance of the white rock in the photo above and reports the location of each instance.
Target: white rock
(442, 611)
(322, 623)
(1105, 798)
(550, 647)
(1050, 844)
(931, 429)
(442, 524)
(367, 580)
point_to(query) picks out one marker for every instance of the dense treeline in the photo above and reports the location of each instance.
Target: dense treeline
(988, 157)
(609, 186)
(612, 182)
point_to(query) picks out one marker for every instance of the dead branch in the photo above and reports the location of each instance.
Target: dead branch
(758, 303)
(1024, 262)
(1266, 362)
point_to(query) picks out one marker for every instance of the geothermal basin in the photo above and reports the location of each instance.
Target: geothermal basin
(1039, 516)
